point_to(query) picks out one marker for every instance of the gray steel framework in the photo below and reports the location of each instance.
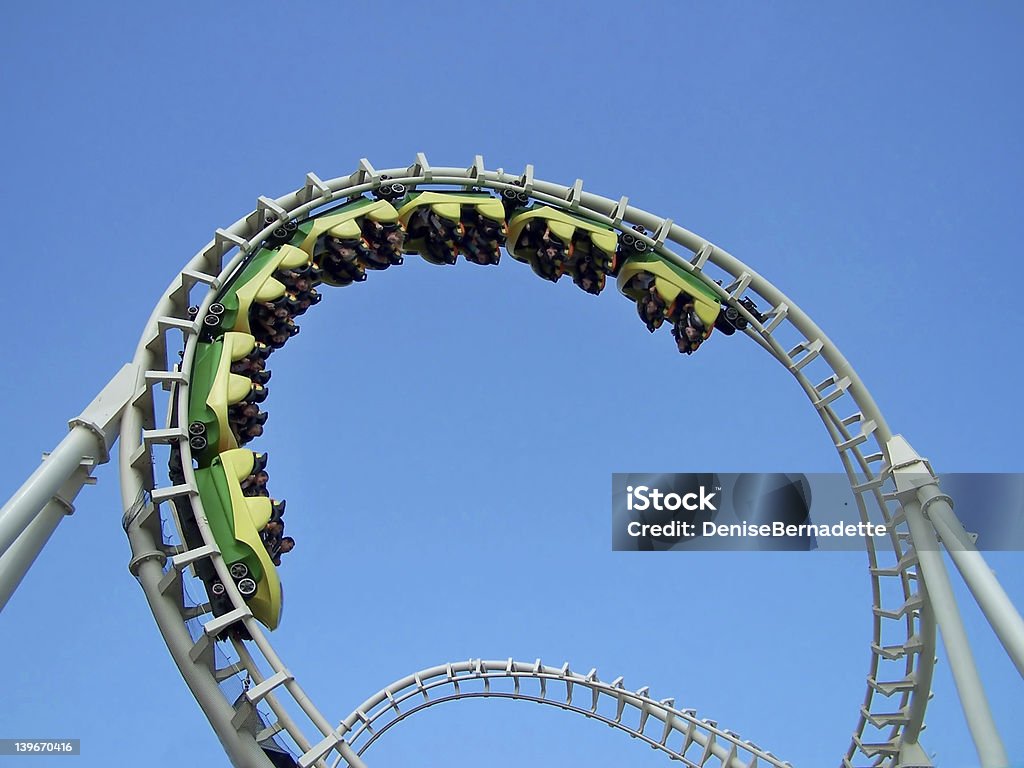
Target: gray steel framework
(911, 589)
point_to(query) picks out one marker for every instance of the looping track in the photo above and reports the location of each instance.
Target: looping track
(903, 632)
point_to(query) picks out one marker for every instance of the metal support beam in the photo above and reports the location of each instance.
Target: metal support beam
(87, 444)
(18, 558)
(16, 561)
(1006, 622)
(910, 473)
(79, 445)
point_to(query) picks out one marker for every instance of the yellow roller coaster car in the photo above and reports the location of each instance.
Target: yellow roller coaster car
(236, 521)
(212, 389)
(668, 282)
(442, 225)
(256, 284)
(345, 242)
(554, 243)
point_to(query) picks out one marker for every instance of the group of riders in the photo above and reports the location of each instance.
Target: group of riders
(552, 257)
(688, 330)
(341, 261)
(255, 484)
(476, 237)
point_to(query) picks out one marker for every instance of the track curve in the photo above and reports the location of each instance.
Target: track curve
(903, 643)
(703, 742)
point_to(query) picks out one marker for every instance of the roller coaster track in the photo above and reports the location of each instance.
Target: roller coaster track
(703, 743)
(890, 717)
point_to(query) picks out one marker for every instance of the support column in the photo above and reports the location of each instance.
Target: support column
(1002, 615)
(80, 445)
(28, 519)
(16, 561)
(18, 558)
(910, 472)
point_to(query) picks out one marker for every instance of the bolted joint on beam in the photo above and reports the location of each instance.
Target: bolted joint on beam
(910, 471)
(102, 416)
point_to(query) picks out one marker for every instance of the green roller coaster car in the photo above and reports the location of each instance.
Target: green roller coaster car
(212, 389)
(367, 228)
(343, 222)
(236, 522)
(467, 223)
(254, 284)
(670, 281)
(554, 242)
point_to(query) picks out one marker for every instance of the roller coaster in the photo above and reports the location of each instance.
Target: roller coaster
(204, 362)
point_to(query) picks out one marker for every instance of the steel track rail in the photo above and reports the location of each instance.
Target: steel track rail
(702, 742)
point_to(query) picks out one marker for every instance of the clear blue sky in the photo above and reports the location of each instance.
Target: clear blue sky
(445, 437)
